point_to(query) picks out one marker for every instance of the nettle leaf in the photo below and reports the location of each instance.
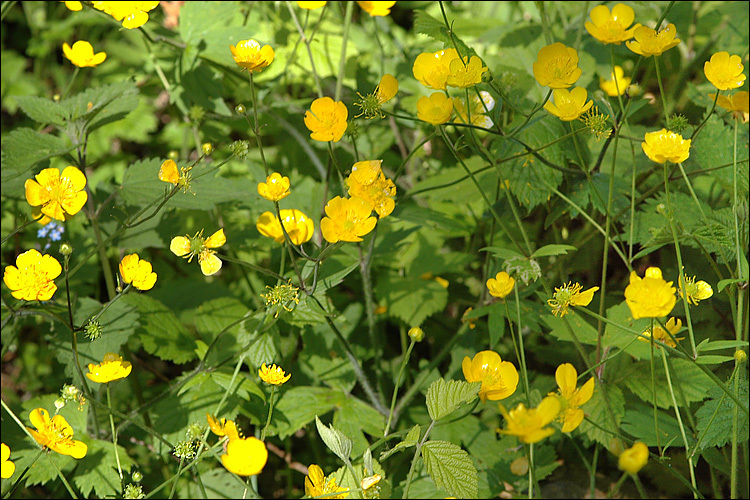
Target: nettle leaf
(451, 468)
(161, 333)
(22, 149)
(411, 439)
(335, 440)
(443, 398)
(41, 110)
(715, 417)
(96, 107)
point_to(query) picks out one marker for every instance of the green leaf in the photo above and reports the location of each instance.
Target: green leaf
(639, 423)
(443, 398)
(41, 110)
(97, 471)
(503, 253)
(22, 149)
(715, 417)
(411, 439)
(549, 250)
(300, 405)
(616, 335)
(451, 468)
(716, 345)
(428, 25)
(354, 418)
(161, 333)
(598, 426)
(96, 107)
(726, 282)
(713, 359)
(335, 440)
(411, 299)
(585, 333)
(692, 381)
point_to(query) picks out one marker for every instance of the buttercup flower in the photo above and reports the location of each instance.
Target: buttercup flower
(275, 188)
(316, 484)
(8, 467)
(570, 397)
(478, 109)
(32, 278)
(570, 295)
(663, 145)
(569, 105)
(649, 42)
(650, 296)
(556, 66)
(75, 7)
(432, 69)
(611, 27)
(465, 74)
(368, 182)
(273, 375)
(617, 85)
(724, 71)
(56, 434)
(326, 119)
(185, 246)
(738, 104)
(695, 290)
(223, 427)
(634, 458)
(168, 173)
(384, 92)
(132, 14)
(499, 378)
(82, 54)
(60, 196)
(673, 325)
(111, 368)
(299, 226)
(138, 272)
(435, 109)
(245, 456)
(501, 285)
(377, 8)
(310, 5)
(251, 56)
(386, 89)
(347, 219)
(529, 424)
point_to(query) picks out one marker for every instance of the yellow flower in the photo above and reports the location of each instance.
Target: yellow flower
(282, 295)
(132, 14)
(310, 5)
(251, 56)
(82, 54)
(368, 182)
(696, 291)
(663, 145)
(32, 278)
(433, 68)
(634, 458)
(245, 456)
(571, 397)
(570, 295)
(724, 71)
(60, 196)
(529, 424)
(316, 484)
(299, 226)
(347, 219)
(8, 467)
(435, 109)
(55, 434)
(463, 74)
(649, 42)
(275, 188)
(650, 296)
(556, 66)
(617, 85)
(384, 92)
(387, 88)
(223, 427)
(326, 119)
(136, 271)
(501, 285)
(273, 375)
(738, 104)
(377, 8)
(499, 378)
(168, 173)
(673, 325)
(569, 105)
(611, 27)
(478, 109)
(75, 7)
(111, 368)
(185, 246)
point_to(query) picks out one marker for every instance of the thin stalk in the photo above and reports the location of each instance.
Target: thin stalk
(653, 389)
(344, 41)
(522, 356)
(270, 412)
(404, 362)
(414, 460)
(661, 89)
(114, 435)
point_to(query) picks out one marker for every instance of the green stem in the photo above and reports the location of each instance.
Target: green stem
(522, 358)
(62, 477)
(114, 436)
(256, 129)
(344, 40)
(270, 412)
(404, 362)
(307, 46)
(653, 388)
(414, 460)
(661, 89)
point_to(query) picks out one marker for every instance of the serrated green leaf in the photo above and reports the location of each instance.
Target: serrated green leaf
(639, 423)
(428, 25)
(335, 440)
(598, 426)
(300, 405)
(585, 333)
(451, 468)
(41, 110)
(692, 381)
(411, 299)
(549, 250)
(411, 439)
(715, 417)
(355, 418)
(443, 398)
(96, 107)
(713, 359)
(97, 471)
(22, 149)
(161, 333)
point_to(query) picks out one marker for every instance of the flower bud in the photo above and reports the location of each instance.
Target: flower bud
(173, 155)
(207, 148)
(740, 356)
(416, 334)
(59, 403)
(137, 476)
(240, 109)
(66, 249)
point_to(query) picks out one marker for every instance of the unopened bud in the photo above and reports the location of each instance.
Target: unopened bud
(66, 249)
(740, 356)
(416, 334)
(60, 403)
(240, 109)
(207, 148)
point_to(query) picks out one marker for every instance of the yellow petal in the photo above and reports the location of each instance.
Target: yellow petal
(180, 246)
